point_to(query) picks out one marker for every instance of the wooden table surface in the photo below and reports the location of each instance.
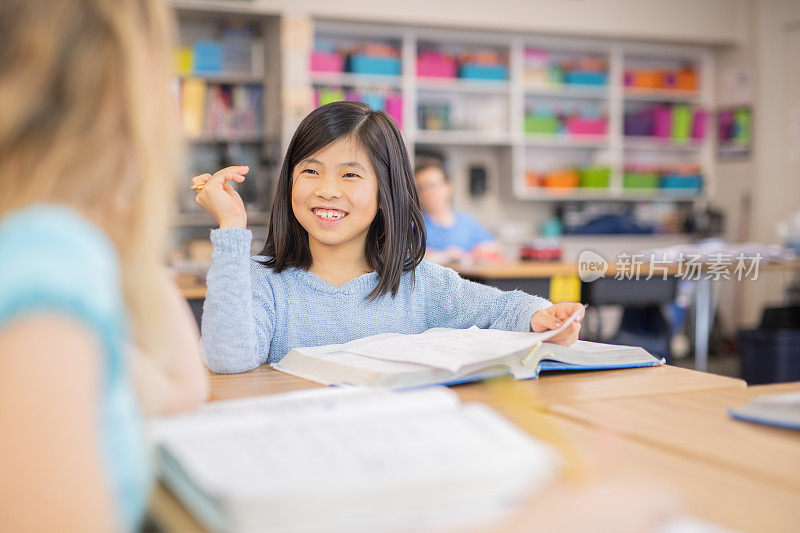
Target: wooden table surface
(548, 269)
(663, 425)
(696, 424)
(551, 387)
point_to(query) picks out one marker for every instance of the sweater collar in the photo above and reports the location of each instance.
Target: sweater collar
(362, 284)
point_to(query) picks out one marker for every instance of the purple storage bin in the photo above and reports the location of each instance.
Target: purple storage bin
(627, 79)
(699, 124)
(394, 107)
(638, 124)
(326, 62)
(662, 122)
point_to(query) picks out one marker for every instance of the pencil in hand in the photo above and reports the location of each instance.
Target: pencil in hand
(198, 187)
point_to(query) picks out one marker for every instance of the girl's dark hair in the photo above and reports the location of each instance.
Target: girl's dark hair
(396, 238)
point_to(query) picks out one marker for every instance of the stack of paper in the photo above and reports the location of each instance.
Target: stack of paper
(349, 460)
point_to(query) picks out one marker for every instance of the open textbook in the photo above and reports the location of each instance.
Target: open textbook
(779, 410)
(447, 356)
(349, 460)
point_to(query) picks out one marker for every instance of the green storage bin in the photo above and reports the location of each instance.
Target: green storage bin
(681, 122)
(542, 124)
(596, 177)
(640, 180)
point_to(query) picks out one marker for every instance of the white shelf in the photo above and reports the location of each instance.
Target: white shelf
(567, 141)
(232, 78)
(455, 137)
(568, 91)
(663, 195)
(587, 195)
(632, 142)
(463, 85)
(660, 95)
(349, 79)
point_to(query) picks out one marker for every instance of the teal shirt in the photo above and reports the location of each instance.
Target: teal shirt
(53, 259)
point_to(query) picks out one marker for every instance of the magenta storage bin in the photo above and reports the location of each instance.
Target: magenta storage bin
(326, 62)
(662, 122)
(394, 107)
(699, 124)
(586, 126)
(436, 65)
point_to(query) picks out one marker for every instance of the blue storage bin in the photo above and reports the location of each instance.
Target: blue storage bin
(681, 181)
(586, 77)
(375, 101)
(474, 71)
(207, 56)
(366, 64)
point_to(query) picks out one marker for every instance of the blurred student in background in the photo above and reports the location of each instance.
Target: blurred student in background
(452, 236)
(91, 332)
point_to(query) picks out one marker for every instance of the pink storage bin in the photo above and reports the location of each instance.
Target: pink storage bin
(662, 122)
(436, 65)
(586, 126)
(699, 124)
(394, 107)
(326, 62)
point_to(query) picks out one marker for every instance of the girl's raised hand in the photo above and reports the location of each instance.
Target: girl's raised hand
(219, 198)
(553, 317)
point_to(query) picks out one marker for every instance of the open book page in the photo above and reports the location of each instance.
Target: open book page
(453, 349)
(780, 410)
(288, 451)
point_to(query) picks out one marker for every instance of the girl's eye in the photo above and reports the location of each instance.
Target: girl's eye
(309, 171)
(351, 175)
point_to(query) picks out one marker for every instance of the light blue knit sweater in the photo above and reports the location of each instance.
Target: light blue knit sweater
(254, 316)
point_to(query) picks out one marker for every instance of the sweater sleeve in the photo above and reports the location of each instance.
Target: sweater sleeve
(460, 303)
(238, 321)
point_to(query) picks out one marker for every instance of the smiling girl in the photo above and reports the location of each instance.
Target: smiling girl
(344, 253)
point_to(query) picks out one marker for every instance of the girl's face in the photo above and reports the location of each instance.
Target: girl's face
(335, 194)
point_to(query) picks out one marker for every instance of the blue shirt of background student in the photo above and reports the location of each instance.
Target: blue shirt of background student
(465, 233)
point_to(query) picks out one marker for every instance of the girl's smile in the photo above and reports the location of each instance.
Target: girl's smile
(329, 215)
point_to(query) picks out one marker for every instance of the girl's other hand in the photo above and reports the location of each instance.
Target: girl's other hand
(553, 317)
(220, 199)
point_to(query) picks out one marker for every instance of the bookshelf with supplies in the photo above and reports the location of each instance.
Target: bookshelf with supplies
(568, 121)
(228, 89)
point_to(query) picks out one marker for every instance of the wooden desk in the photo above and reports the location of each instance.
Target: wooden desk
(713, 490)
(696, 425)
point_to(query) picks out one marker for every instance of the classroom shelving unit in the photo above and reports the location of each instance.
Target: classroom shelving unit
(249, 71)
(509, 100)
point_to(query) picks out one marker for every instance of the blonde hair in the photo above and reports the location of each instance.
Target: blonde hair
(87, 122)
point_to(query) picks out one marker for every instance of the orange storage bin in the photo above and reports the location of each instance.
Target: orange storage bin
(561, 179)
(649, 79)
(686, 80)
